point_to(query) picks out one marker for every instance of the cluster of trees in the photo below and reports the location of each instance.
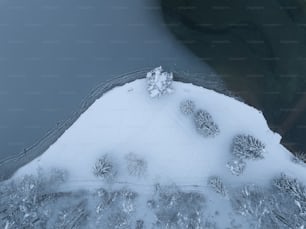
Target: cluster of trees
(174, 208)
(203, 121)
(35, 202)
(280, 205)
(244, 147)
(106, 168)
(116, 209)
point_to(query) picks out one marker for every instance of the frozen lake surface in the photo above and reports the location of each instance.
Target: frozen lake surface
(54, 53)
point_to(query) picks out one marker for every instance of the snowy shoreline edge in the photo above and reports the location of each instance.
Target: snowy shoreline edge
(10, 165)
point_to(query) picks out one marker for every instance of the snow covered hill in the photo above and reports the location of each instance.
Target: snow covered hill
(157, 153)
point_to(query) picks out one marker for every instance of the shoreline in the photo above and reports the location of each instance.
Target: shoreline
(10, 165)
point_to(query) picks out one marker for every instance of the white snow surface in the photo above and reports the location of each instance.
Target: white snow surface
(126, 120)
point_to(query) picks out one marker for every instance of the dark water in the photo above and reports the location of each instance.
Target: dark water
(53, 53)
(259, 49)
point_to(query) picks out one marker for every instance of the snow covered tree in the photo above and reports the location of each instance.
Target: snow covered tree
(294, 188)
(217, 185)
(205, 124)
(247, 147)
(187, 107)
(174, 208)
(73, 216)
(104, 168)
(159, 82)
(136, 165)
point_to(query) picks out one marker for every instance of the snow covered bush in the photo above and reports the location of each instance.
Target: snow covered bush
(217, 185)
(136, 165)
(159, 82)
(247, 147)
(236, 166)
(187, 107)
(104, 168)
(174, 208)
(205, 124)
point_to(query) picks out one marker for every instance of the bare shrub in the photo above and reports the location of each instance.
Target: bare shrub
(236, 167)
(217, 185)
(205, 124)
(187, 107)
(299, 158)
(104, 167)
(136, 165)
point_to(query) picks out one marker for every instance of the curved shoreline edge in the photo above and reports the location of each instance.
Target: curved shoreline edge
(11, 164)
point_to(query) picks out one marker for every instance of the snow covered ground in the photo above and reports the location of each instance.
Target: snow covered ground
(130, 140)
